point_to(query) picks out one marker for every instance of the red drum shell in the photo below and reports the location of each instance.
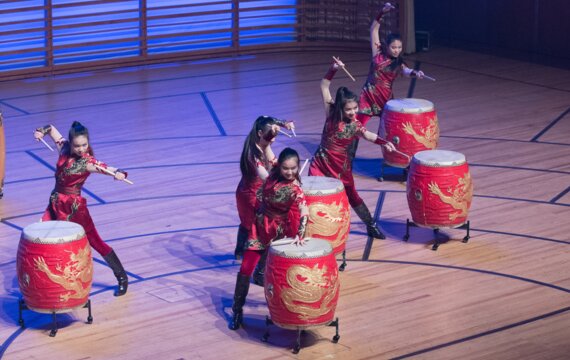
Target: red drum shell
(54, 277)
(410, 132)
(439, 196)
(302, 289)
(329, 210)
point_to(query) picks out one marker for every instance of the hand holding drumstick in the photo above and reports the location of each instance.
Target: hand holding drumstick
(118, 175)
(341, 65)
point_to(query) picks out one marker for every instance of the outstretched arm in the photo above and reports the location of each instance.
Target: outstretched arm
(102, 168)
(370, 136)
(375, 29)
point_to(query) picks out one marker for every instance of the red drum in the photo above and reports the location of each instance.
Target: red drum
(301, 284)
(411, 124)
(55, 268)
(329, 210)
(439, 189)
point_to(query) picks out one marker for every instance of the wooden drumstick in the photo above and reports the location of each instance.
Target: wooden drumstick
(344, 68)
(303, 167)
(283, 132)
(293, 131)
(428, 77)
(112, 173)
(401, 153)
(46, 144)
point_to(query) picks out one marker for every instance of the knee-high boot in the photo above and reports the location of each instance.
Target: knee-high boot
(371, 227)
(259, 272)
(240, 293)
(120, 273)
(241, 240)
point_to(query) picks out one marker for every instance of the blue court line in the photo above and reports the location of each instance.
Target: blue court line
(213, 113)
(480, 271)
(13, 107)
(28, 180)
(549, 126)
(559, 196)
(377, 211)
(7, 223)
(49, 166)
(521, 168)
(173, 232)
(485, 333)
(128, 272)
(499, 139)
(163, 80)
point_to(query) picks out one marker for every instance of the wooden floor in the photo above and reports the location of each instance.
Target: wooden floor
(178, 129)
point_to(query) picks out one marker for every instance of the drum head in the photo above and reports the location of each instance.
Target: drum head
(409, 106)
(321, 185)
(53, 232)
(312, 248)
(438, 158)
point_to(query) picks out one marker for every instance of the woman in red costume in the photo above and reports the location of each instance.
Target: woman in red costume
(386, 65)
(332, 157)
(282, 213)
(256, 161)
(75, 164)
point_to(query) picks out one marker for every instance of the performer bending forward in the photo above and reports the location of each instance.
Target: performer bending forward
(283, 213)
(74, 165)
(341, 128)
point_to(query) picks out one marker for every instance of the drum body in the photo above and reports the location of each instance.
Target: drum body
(329, 210)
(55, 267)
(411, 125)
(301, 284)
(439, 189)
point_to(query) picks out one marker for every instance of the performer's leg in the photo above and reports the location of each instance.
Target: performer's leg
(111, 258)
(363, 213)
(250, 259)
(241, 240)
(259, 273)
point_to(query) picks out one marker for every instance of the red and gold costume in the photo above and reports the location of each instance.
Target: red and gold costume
(246, 197)
(66, 202)
(279, 213)
(378, 87)
(332, 159)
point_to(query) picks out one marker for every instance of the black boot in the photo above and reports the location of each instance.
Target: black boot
(259, 272)
(371, 228)
(119, 271)
(242, 288)
(242, 236)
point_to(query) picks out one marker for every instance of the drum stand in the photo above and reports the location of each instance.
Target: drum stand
(297, 346)
(436, 231)
(384, 165)
(22, 306)
(343, 265)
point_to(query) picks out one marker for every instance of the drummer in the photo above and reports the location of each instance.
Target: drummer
(283, 213)
(386, 65)
(332, 157)
(75, 163)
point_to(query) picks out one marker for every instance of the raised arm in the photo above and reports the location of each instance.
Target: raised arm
(375, 29)
(326, 84)
(53, 133)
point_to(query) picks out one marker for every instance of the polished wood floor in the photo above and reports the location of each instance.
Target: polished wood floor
(178, 130)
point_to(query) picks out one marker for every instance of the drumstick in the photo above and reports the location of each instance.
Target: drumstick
(401, 153)
(46, 144)
(428, 77)
(283, 132)
(303, 167)
(344, 68)
(112, 173)
(293, 131)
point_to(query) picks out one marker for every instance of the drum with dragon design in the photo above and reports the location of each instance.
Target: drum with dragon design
(301, 283)
(411, 125)
(439, 189)
(329, 210)
(55, 267)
